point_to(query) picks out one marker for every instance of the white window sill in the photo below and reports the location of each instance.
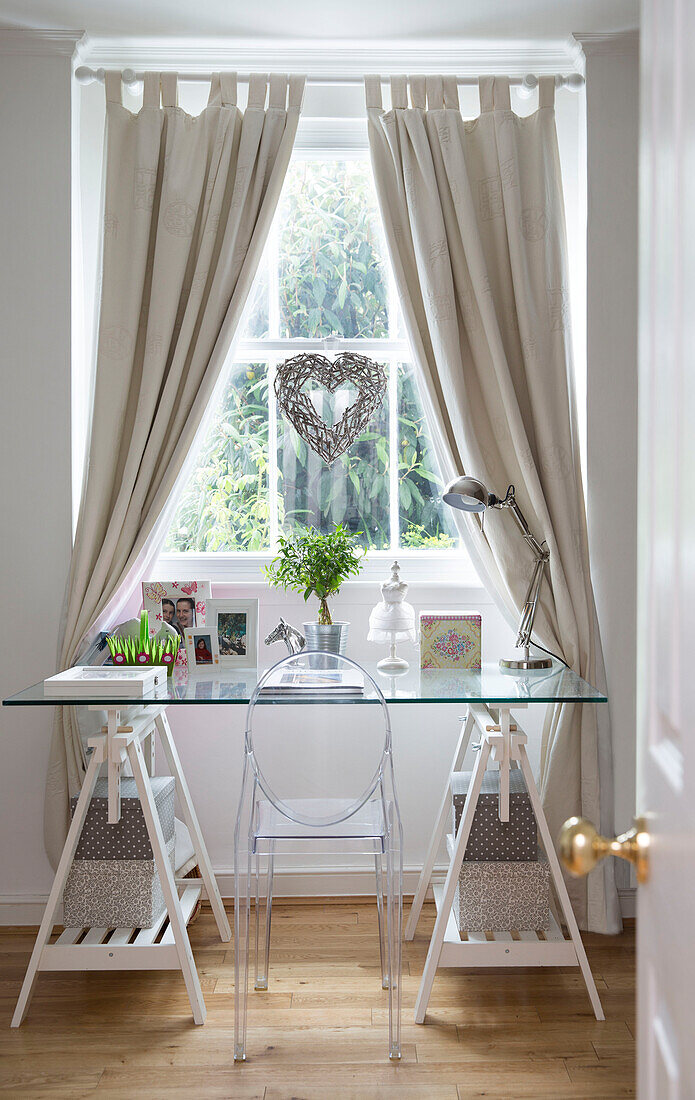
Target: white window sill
(438, 567)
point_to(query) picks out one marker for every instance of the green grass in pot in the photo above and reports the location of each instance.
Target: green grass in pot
(316, 564)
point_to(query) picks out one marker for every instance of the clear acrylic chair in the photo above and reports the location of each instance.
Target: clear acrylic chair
(360, 815)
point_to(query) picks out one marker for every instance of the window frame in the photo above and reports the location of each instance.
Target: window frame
(318, 139)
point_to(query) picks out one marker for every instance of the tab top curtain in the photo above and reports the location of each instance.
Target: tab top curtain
(474, 220)
(188, 205)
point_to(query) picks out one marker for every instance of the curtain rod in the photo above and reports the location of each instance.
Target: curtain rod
(527, 84)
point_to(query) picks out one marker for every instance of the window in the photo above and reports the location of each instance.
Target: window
(324, 285)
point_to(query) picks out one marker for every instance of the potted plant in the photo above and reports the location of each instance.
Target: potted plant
(316, 565)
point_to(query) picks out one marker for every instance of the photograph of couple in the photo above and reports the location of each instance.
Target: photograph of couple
(179, 614)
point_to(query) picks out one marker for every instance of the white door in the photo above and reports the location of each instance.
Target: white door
(666, 490)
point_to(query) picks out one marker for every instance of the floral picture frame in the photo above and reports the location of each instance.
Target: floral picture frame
(234, 626)
(180, 603)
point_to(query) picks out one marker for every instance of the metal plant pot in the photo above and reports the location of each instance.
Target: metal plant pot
(326, 639)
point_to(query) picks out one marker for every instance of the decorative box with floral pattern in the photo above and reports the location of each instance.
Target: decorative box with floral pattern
(500, 896)
(114, 893)
(450, 639)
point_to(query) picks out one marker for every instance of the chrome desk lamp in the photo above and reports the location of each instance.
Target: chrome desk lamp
(470, 495)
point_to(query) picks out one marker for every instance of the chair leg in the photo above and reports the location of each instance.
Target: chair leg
(242, 890)
(380, 920)
(257, 920)
(263, 933)
(241, 957)
(394, 922)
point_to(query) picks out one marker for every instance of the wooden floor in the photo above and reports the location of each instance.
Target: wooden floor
(320, 1032)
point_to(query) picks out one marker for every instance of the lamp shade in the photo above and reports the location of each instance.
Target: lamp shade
(466, 493)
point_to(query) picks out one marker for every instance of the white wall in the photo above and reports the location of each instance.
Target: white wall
(612, 83)
(35, 459)
(36, 485)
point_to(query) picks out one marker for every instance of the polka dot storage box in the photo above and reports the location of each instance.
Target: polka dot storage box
(490, 838)
(113, 881)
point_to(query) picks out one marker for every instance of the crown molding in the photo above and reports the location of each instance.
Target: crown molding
(39, 43)
(595, 44)
(324, 59)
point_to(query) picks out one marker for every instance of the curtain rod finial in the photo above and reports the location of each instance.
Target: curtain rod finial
(575, 81)
(84, 75)
(528, 86)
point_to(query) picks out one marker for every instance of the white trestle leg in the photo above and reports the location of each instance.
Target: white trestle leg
(165, 946)
(166, 876)
(462, 834)
(56, 895)
(505, 744)
(439, 829)
(191, 819)
(560, 887)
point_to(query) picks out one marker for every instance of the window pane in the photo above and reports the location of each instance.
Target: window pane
(332, 273)
(225, 504)
(353, 490)
(424, 521)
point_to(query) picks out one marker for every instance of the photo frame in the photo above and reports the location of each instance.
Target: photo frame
(234, 626)
(200, 650)
(180, 603)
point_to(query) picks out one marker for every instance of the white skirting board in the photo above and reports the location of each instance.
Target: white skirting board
(20, 910)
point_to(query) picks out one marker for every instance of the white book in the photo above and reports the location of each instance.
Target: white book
(313, 681)
(108, 683)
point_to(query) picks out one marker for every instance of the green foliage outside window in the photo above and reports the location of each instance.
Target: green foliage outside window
(332, 271)
(332, 281)
(353, 490)
(422, 519)
(225, 505)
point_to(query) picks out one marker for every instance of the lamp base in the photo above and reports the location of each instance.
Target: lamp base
(394, 666)
(525, 664)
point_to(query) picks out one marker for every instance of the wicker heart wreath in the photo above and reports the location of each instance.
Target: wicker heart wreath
(368, 378)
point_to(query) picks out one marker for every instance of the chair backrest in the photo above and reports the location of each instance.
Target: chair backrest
(313, 717)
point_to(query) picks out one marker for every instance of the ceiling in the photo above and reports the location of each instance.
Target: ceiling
(356, 20)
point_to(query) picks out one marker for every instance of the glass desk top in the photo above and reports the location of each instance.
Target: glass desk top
(489, 685)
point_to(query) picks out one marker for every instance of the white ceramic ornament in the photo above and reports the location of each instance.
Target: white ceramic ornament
(392, 621)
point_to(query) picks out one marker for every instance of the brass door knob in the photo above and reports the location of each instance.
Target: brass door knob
(581, 847)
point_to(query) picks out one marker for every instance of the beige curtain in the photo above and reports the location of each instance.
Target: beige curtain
(188, 204)
(474, 219)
